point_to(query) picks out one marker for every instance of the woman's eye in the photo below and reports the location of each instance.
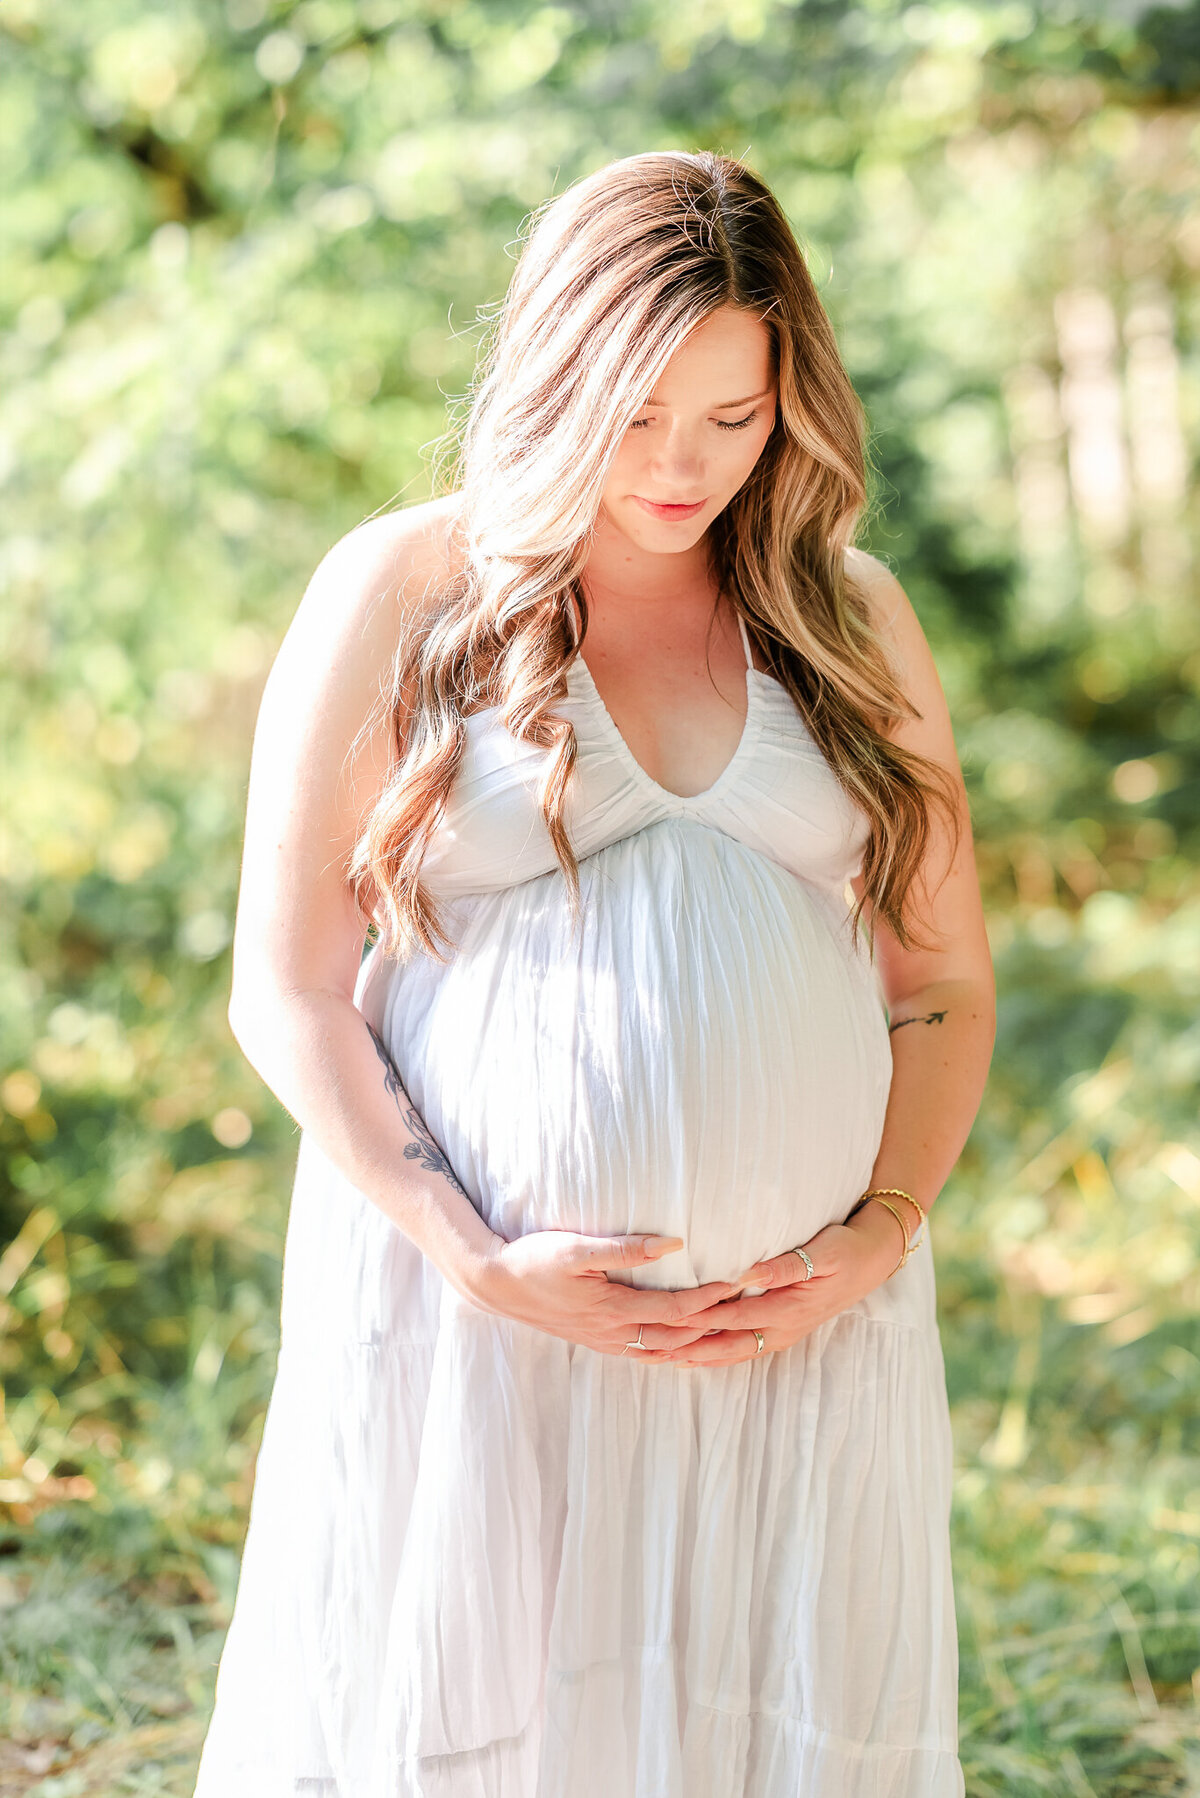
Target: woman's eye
(723, 424)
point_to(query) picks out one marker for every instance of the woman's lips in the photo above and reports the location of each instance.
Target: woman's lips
(660, 511)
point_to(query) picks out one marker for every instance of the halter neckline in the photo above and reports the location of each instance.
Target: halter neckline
(750, 729)
(745, 635)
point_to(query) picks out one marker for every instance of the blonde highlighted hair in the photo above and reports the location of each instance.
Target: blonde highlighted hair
(613, 275)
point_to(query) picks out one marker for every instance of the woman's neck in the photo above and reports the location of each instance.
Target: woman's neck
(618, 574)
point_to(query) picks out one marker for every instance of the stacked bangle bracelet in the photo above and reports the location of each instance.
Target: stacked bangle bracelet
(881, 1193)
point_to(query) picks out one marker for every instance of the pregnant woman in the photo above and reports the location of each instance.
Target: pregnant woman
(608, 1454)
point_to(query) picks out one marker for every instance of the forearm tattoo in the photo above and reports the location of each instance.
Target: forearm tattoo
(424, 1149)
(390, 1082)
(931, 1017)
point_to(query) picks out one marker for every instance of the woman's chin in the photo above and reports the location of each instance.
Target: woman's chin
(661, 537)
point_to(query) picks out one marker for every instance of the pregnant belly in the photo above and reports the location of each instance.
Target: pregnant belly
(705, 1058)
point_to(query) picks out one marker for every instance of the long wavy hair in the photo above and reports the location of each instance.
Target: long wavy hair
(613, 275)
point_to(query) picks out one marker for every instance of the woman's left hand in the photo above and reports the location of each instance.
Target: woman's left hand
(849, 1260)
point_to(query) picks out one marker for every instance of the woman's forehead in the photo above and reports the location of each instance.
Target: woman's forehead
(726, 359)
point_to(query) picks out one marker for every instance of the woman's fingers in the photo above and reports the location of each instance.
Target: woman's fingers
(761, 1310)
(788, 1269)
(591, 1252)
(722, 1348)
(739, 1314)
(651, 1304)
(673, 1336)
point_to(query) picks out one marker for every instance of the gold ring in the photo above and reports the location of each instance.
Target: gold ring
(761, 1344)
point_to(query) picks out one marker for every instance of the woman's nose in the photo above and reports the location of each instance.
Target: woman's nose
(677, 457)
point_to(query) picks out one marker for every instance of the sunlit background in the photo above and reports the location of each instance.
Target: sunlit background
(243, 253)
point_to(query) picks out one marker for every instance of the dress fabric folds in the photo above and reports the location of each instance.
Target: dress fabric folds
(483, 1562)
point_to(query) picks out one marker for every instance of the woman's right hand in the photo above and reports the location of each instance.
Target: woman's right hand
(558, 1281)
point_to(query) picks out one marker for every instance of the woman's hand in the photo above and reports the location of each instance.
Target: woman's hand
(558, 1281)
(849, 1260)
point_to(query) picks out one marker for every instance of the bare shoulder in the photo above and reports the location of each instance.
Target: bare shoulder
(338, 653)
(895, 620)
(342, 639)
(891, 609)
(399, 559)
(892, 615)
(324, 720)
(324, 749)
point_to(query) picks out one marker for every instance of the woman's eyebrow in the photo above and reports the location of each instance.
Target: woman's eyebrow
(722, 405)
(726, 405)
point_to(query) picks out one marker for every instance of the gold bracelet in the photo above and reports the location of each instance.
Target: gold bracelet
(924, 1217)
(899, 1220)
(899, 1193)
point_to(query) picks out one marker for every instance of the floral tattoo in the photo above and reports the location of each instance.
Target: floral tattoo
(424, 1149)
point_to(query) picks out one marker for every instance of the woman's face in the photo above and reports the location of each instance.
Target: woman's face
(695, 441)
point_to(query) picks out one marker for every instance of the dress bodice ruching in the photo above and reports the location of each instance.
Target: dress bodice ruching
(777, 795)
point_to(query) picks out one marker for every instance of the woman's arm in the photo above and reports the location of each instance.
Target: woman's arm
(298, 944)
(942, 1000)
(298, 938)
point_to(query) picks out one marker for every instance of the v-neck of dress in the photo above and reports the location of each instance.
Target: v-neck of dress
(749, 731)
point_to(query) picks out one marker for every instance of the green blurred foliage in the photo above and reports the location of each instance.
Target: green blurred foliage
(246, 253)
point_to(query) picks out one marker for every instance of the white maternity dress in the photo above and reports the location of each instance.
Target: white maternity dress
(483, 1562)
